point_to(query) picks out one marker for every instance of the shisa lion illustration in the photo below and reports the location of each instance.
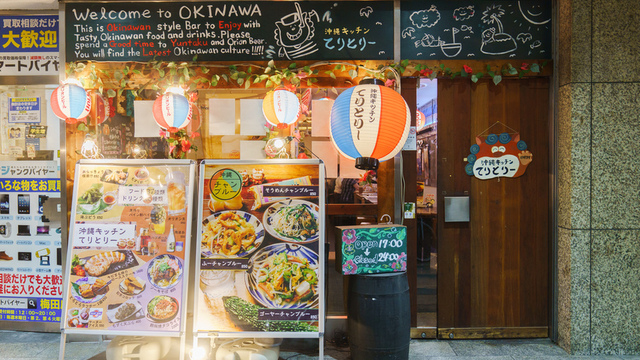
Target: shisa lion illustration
(498, 156)
(294, 34)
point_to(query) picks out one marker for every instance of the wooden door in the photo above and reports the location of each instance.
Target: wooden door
(493, 271)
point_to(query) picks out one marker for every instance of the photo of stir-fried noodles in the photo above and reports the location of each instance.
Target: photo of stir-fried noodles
(293, 220)
(231, 233)
(162, 308)
(285, 278)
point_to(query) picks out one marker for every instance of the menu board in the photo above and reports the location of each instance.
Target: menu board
(261, 236)
(370, 249)
(30, 242)
(130, 225)
(229, 31)
(463, 29)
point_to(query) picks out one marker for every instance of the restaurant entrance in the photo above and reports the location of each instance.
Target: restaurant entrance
(493, 269)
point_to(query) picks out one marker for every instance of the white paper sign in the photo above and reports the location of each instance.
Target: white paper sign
(252, 120)
(325, 151)
(348, 169)
(321, 117)
(145, 125)
(222, 116)
(250, 149)
(410, 144)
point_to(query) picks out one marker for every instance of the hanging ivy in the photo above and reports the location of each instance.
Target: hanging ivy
(158, 75)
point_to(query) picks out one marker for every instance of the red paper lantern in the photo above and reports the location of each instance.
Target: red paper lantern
(369, 123)
(196, 119)
(70, 103)
(102, 109)
(172, 111)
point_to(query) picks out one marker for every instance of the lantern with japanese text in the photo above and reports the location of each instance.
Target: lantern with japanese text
(172, 111)
(369, 123)
(196, 119)
(102, 109)
(420, 119)
(70, 102)
(281, 108)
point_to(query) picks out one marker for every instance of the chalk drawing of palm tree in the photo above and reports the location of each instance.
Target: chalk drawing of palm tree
(496, 43)
(492, 16)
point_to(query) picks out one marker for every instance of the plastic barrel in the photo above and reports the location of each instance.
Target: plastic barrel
(379, 316)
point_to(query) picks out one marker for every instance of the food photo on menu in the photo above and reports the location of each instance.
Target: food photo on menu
(259, 263)
(129, 231)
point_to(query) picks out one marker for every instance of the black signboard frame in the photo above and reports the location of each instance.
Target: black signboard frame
(229, 31)
(471, 30)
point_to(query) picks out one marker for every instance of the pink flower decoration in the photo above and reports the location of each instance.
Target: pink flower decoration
(524, 66)
(389, 82)
(195, 134)
(349, 236)
(349, 268)
(467, 69)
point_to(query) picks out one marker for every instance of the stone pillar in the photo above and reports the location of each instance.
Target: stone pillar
(598, 176)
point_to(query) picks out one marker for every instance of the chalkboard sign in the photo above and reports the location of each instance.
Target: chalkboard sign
(476, 29)
(116, 139)
(372, 248)
(229, 31)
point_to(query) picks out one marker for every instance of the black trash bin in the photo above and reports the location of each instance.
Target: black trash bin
(379, 315)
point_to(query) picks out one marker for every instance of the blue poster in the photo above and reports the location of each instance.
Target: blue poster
(29, 33)
(29, 45)
(30, 242)
(24, 110)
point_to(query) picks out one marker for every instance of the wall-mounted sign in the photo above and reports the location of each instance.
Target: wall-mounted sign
(30, 244)
(373, 248)
(498, 156)
(226, 31)
(36, 131)
(24, 110)
(476, 29)
(29, 45)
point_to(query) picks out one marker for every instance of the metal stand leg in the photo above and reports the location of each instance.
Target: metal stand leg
(183, 345)
(321, 347)
(63, 341)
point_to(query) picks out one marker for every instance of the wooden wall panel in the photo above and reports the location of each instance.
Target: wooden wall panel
(454, 110)
(495, 268)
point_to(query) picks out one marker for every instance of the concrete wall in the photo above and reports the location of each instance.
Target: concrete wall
(599, 176)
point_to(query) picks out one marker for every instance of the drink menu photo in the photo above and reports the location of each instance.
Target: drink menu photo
(127, 244)
(261, 247)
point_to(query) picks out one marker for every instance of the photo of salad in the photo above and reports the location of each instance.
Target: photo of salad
(294, 221)
(92, 202)
(164, 271)
(284, 276)
(231, 233)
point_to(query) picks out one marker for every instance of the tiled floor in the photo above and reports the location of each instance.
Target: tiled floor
(29, 345)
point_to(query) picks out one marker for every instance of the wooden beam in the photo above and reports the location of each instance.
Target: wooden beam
(494, 332)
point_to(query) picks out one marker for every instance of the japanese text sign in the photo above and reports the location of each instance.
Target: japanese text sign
(373, 248)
